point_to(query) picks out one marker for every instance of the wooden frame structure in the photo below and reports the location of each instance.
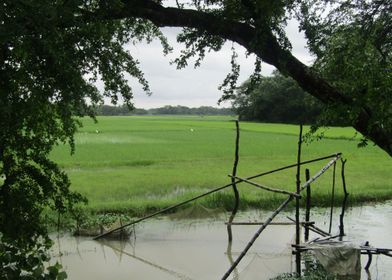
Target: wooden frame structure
(297, 195)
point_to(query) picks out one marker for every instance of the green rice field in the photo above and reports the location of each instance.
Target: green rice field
(140, 164)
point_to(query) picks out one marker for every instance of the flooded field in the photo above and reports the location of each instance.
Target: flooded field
(197, 249)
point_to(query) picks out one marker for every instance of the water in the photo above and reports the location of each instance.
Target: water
(197, 249)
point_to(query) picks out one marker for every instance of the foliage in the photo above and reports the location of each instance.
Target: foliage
(276, 99)
(107, 110)
(122, 110)
(82, 220)
(28, 262)
(313, 271)
(49, 62)
(352, 43)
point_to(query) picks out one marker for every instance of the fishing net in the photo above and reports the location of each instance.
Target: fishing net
(340, 259)
(266, 266)
(196, 211)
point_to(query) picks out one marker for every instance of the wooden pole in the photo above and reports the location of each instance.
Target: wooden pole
(308, 205)
(297, 200)
(293, 165)
(321, 172)
(321, 232)
(367, 266)
(236, 202)
(234, 183)
(312, 227)
(272, 224)
(341, 218)
(265, 187)
(332, 197)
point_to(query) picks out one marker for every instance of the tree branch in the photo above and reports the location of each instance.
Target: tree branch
(265, 46)
(260, 41)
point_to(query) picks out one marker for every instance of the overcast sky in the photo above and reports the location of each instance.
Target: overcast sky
(196, 87)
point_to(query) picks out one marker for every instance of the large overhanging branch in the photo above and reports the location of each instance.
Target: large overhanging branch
(260, 42)
(265, 47)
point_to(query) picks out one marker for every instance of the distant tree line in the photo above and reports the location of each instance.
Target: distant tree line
(279, 99)
(107, 110)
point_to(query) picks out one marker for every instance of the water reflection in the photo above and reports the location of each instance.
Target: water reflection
(121, 250)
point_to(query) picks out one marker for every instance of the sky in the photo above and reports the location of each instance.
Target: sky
(194, 87)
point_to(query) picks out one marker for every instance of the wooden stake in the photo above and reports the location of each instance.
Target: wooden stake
(234, 183)
(341, 218)
(332, 197)
(297, 221)
(308, 204)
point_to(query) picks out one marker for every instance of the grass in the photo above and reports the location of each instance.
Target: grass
(139, 164)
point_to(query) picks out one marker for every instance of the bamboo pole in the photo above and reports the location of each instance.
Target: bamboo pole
(234, 183)
(322, 232)
(319, 230)
(321, 172)
(315, 231)
(272, 224)
(293, 165)
(324, 238)
(265, 187)
(332, 197)
(312, 227)
(298, 189)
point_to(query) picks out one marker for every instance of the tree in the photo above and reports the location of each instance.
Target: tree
(352, 43)
(49, 60)
(276, 99)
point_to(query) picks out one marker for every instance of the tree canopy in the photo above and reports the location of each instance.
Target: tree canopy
(277, 99)
(107, 110)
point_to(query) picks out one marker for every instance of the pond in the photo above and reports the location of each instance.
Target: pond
(167, 248)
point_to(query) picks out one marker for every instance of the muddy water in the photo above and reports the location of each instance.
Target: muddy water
(197, 249)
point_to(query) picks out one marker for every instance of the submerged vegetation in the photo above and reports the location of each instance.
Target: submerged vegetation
(136, 165)
(313, 271)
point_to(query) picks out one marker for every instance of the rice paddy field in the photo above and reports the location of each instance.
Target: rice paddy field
(139, 164)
